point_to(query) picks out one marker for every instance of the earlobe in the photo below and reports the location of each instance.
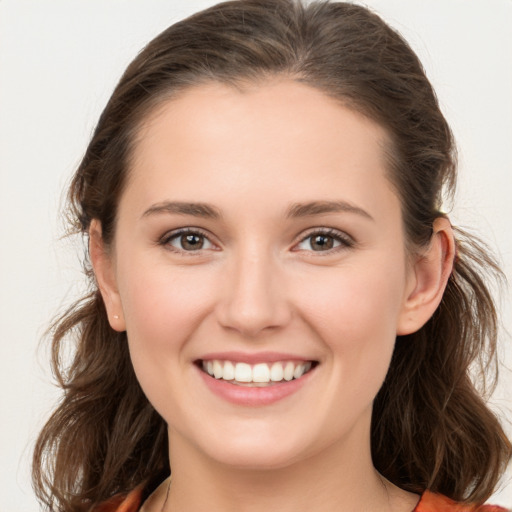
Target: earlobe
(104, 272)
(431, 271)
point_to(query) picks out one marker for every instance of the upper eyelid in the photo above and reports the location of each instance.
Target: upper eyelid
(169, 235)
(326, 231)
(187, 229)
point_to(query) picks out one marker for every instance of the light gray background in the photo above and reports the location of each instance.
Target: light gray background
(59, 61)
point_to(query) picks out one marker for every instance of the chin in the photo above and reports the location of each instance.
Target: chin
(257, 458)
(252, 450)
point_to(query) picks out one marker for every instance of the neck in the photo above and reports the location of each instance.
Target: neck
(336, 479)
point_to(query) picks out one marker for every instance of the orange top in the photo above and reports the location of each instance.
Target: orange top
(429, 502)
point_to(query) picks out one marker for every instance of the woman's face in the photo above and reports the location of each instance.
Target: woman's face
(258, 237)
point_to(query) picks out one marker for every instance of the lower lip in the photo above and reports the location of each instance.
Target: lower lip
(254, 396)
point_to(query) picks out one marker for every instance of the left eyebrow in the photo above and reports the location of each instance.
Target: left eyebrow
(322, 207)
(184, 208)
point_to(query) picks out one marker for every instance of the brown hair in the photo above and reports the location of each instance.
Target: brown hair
(430, 427)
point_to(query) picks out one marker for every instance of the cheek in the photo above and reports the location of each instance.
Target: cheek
(162, 306)
(356, 301)
(355, 311)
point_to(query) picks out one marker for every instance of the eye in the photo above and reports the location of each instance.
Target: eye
(325, 240)
(187, 240)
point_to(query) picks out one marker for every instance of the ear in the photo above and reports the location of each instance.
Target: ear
(104, 271)
(429, 276)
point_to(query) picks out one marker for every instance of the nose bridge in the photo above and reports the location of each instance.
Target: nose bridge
(255, 298)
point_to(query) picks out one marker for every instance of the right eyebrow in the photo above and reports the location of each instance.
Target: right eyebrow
(324, 207)
(204, 210)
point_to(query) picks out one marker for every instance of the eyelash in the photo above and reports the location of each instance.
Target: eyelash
(175, 235)
(344, 240)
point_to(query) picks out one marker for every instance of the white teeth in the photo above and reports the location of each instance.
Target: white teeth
(229, 371)
(276, 372)
(218, 370)
(261, 373)
(243, 372)
(288, 371)
(299, 370)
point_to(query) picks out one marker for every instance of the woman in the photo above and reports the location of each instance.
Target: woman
(281, 314)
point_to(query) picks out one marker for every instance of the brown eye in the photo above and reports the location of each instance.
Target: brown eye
(192, 242)
(188, 241)
(323, 241)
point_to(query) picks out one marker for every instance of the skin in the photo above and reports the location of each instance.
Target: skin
(258, 285)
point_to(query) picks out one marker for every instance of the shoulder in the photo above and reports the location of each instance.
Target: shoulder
(431, 502)
(143, 498)
(130, 502)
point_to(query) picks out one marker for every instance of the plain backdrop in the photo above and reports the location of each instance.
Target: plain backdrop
(59, 61)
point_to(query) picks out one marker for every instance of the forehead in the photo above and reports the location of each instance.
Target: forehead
(277, 136)
(282, 105)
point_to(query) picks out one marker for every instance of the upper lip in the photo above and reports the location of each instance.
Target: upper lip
(253, 358)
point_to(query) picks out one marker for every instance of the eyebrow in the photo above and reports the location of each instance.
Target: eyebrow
(183, 208)
(322, 207)
(296, 210)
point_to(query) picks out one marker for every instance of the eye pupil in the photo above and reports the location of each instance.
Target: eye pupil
(192, 241)
(322, 242)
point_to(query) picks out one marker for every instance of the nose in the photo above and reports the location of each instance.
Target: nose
(254, 296)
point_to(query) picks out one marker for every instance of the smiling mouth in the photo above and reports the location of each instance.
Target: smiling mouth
(256, 375)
